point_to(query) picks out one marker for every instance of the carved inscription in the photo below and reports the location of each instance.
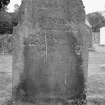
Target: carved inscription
(53, 23)
(48, 3)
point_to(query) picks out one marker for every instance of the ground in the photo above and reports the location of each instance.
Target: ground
(5, 78)
(96, 77)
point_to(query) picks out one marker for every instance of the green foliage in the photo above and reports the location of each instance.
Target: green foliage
(96, 20)
(3, 3)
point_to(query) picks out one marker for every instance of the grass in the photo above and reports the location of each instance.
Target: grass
(5, 79)
(96, 79)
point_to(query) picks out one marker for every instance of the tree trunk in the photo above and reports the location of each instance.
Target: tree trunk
(51, 55)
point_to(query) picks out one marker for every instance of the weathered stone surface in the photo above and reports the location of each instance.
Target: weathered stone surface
(55, 51)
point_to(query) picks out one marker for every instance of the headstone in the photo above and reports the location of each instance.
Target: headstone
(102, 36)
(51, 55)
